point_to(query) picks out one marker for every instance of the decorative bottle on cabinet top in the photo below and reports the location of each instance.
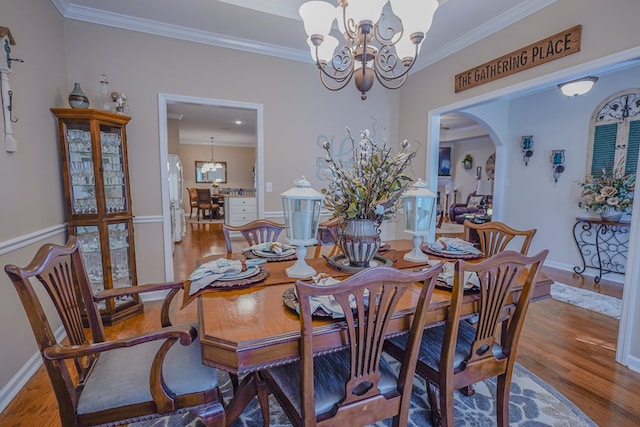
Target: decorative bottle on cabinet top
(77, 98)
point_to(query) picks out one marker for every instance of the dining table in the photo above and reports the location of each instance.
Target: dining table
(246, 328)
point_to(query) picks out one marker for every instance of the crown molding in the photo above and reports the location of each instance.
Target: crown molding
(117, 20)
(496, 24)
(96, 16)
(234, 144)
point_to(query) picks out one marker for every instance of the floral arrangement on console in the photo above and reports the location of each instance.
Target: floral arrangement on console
(607, 191)
(371, 187)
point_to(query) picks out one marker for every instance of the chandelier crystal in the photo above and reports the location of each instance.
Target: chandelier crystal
(376, 43)
(212, 166)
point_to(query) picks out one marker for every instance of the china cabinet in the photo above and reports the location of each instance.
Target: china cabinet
(93, 147)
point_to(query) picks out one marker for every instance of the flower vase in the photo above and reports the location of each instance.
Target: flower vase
(77, 98)
(360, 241)
(609, 213)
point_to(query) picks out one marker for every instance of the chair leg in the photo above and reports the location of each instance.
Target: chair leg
(434, 402)
(213, 415)
(502, 400)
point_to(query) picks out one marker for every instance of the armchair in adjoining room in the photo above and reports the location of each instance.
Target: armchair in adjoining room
(472, 205)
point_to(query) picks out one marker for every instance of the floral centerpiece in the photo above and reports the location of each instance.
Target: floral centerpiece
(364, 192)
(605, 193)
(371, 185)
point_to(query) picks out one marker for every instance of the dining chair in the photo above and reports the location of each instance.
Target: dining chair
(329, 234)
(204, 203)
(355, 385)
(193, 200)
(111, 382)
(254, 232)
(494, 236)
(456, 354)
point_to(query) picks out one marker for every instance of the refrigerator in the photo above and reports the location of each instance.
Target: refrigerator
(178, 226)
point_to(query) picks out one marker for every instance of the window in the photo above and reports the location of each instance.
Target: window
(615, 130)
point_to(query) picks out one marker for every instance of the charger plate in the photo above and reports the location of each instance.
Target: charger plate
(273, 257)
(340, 262)
(245, 278)
(450, 254)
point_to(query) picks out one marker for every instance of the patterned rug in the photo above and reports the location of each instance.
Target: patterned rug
(589, 300)
(533, 403)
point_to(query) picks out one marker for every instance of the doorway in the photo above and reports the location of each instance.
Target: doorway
(164, 102)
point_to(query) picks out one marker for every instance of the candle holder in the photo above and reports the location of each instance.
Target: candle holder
(302, 205)
(419, 209)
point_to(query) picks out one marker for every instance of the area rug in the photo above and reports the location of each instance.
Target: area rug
(589, 300)
(533, 403)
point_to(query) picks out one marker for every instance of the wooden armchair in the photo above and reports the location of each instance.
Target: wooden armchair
(494, 236)
(355, 386)
(193, 200)
(119, 381)
(254, 232)
(457, 355)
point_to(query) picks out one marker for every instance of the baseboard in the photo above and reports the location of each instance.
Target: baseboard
(589, 272)
(20, 379)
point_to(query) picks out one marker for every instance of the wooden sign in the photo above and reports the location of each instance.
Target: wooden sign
(552, 48)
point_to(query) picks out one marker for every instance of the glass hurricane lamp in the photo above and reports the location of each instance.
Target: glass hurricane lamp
(302, 205)
(419, 211)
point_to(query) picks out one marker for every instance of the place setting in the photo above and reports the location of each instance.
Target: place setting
(224, 273)
(445, 278)
(322, 306)
(270, 251)
(452, 247)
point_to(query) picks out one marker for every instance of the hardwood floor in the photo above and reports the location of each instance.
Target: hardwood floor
(570, 348)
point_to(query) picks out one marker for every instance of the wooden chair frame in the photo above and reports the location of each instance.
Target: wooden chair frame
(193, 200)
(490, 347)
(254, 232)
(495, 236)
(205, 203)
(61, 272)
(363, 402)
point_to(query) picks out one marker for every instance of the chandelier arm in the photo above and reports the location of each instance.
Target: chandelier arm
(342, 81)
(388, 41)
(350, 26)
(341, 74)
(381, 72)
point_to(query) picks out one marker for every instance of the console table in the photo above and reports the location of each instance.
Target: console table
(602, 245)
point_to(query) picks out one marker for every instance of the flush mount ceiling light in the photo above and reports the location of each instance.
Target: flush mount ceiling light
(577, 87)
(376, 43)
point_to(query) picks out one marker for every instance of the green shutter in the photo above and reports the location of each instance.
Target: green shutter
(604, 148)
(632, 148)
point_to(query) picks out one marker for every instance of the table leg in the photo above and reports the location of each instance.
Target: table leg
(247, 390)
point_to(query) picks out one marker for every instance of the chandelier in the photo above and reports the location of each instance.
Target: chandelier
(212, 166)
(376, 43)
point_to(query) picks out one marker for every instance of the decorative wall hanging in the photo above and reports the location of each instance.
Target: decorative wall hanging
(478, 172)
(527, 148)
(467, 162)
(11, 145)
(490, 166)
(557, 163)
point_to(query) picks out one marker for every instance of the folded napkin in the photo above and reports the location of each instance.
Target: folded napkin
(327, 303)
(455, 244)
(448, 270)
(273, 247)
(211, 271)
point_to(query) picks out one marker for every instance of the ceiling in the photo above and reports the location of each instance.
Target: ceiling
(266, 27)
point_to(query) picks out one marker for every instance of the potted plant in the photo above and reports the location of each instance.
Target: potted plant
(610, 196)
(364, 192)
(468, 161)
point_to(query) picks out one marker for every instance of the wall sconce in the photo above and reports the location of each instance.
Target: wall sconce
(6, 94)
(419, 208)
(577, 87)
(557, 163)
(479, 172)
(302, 205)
(527, 148)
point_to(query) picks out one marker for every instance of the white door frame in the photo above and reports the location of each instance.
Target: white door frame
(163, 100)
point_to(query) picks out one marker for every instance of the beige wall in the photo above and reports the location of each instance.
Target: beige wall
(31, 207)
(173, 136)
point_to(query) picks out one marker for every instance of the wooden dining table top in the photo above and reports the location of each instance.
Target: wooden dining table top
(247, 329)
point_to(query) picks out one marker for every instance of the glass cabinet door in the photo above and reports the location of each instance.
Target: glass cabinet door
(81, 169)
(121, 274)
(113, 174)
